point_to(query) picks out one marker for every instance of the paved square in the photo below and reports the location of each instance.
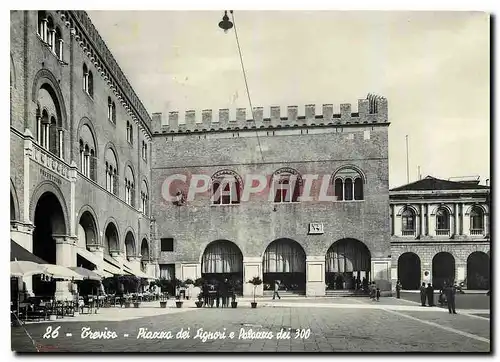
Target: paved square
(334, 325)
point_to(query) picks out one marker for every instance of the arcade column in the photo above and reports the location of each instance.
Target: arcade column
(381, 273)
(315, 276)
(65, 256)
(252, 267)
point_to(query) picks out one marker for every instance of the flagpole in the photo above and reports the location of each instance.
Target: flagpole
(407, 163)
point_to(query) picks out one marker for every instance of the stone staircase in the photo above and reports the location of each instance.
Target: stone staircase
(285, 293)
(345, 293)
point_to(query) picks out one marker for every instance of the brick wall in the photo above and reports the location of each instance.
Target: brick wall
(254, 224)
(76, 106)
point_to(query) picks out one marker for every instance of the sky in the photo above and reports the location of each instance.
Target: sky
(433, 68)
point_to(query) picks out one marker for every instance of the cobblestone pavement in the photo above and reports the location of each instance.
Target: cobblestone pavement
(370, 327)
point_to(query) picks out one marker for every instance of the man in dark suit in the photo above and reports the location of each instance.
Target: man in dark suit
(450, 291)
(423, 294)
(430, 295)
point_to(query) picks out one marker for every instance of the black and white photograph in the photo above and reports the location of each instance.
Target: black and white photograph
(240, 181)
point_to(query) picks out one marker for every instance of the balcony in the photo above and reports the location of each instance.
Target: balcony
(408, 232)
(476, 231)
(442, 232)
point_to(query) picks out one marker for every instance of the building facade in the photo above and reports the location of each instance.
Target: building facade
(276, 233)
(440, 231)
(80, 150)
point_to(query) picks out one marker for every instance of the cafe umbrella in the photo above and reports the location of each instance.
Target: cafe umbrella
(24, 268)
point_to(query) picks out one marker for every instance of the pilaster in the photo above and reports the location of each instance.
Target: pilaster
(252, 267)
(315, 276)
(381, 273)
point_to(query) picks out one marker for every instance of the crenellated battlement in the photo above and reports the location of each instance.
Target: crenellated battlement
(372, 109)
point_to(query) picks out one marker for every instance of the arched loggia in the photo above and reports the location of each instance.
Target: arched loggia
(478, 271)
(49, 223)
(285, 260)
(348, 262)
(223, 260)
(409, 271)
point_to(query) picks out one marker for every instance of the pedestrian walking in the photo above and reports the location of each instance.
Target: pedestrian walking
(223, 293)
(423, 294)
(276, 288)
(430, 295)
(373, 291)
(398, 289)
(450, 292)
(378, 294)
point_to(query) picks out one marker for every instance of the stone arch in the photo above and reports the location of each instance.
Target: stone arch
(204, 245)
(409, 270)
(129, 240)
(284, 259)
(478, 270)
(443, 269)
(443, 206)
(145, 250)
(42, 188)
(87, 122)
(345, 260)
(221, 256)
(408, 207)
(112, 147)
(350, 166)
(471, 207)
(88, 209)
(127, 165)
(14, 203)
(111, 240)
(45, 79)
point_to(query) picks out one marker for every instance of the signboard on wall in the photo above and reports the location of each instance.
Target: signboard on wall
(315, 228)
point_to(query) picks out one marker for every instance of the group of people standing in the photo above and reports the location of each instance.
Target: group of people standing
(446, 295)
(218, 294)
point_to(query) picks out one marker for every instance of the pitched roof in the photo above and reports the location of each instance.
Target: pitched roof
(432, 183)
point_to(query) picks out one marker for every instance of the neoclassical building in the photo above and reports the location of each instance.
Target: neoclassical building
(80, 150)
(278, 233)
(440, 231)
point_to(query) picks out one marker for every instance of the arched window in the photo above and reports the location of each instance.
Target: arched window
(442, 222)
(408, 222)
(111, 172)
(59, 44)
(42, 25)
(88, 160)
(348, 189)
(348, 184)
(144, 198)
(51, 35)
(39, 128)
(476, 221)
(129, 132)
(129, 187)
(226, 186)
(286, 183)
(45, 129)
(144, 151)
(91, 85)
(53, 136)
(113, 112)
(85, 78)
(110, 109)
(339, 189)
(49, 125)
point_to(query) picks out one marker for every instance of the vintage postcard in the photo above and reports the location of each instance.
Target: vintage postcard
(250, 181)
